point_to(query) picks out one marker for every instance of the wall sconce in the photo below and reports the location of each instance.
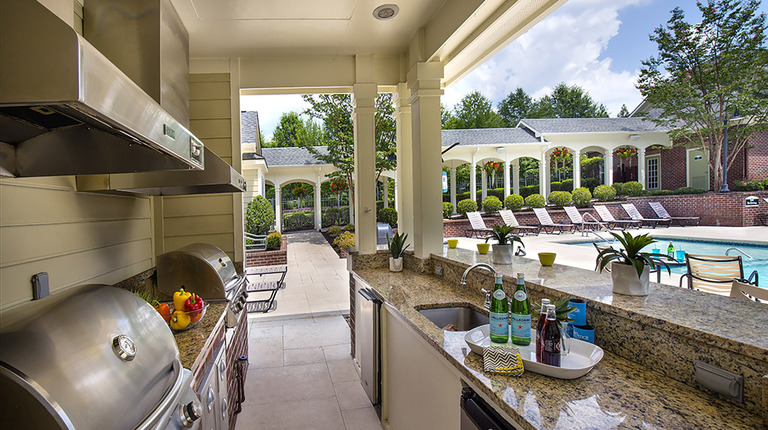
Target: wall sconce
(501, 149)
(634, 137)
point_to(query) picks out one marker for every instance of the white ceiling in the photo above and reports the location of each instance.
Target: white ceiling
(250, 28)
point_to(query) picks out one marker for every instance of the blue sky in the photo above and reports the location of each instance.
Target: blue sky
(596, 44)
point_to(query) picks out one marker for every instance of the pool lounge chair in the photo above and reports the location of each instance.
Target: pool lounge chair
(612, 222)
(510, 220)
(579, 221)
(651, 222)
(747, 291)
(478, 228)
(715, 273)
(661, 212)
(549, 226)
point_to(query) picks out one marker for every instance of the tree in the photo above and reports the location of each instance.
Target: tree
(704, 72)
(473, 111)
(292, 131)
(516, 106)
(623, 112)
(568, 102)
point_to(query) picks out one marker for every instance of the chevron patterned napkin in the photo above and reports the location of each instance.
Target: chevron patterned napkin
(503, 359)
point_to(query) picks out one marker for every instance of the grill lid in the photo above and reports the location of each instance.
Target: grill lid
(93, 356)
(200, 268)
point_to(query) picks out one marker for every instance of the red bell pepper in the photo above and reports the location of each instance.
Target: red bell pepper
(194, 307)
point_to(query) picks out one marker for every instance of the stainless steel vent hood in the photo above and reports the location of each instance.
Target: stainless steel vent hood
(66, 110)
(218, 177)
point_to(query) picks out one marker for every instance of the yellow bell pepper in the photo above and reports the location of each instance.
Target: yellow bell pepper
(179, 320)
(179, 298)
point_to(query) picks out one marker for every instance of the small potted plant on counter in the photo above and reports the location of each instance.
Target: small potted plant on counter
(502, 252)
(631, 265)
(397, 247)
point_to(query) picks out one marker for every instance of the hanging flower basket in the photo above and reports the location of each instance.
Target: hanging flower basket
(626, 152)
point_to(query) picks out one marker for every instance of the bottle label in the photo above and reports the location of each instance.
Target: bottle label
(521, 325)
(499, 324)
(499, 294)
(520, 295)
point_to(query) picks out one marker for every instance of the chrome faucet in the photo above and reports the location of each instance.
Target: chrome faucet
(487, 303)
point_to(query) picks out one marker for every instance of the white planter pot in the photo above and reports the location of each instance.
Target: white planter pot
(395, 264)
(502, 254)
(626, 281)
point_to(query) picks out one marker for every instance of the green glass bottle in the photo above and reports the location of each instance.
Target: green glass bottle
(521, 314)
(671, 250)
(498, 319)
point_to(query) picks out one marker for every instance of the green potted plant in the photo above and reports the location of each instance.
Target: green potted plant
(502, 252)
(397, 247)
(630, 265)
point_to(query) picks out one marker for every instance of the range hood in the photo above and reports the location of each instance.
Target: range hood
(65, 109)
(218, 177)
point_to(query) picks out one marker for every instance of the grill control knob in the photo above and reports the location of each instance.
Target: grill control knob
(190, 413)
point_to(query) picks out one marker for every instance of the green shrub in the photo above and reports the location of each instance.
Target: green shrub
(298, 220)
(343, 215)
(259, 216)
(535, 201)
(349, 227)
(331, 217)
(682, 190)
(514, 202)
(749, 185)
(581, 197)
(447, 209)
(274, 240)
(560, 198)
(567, 185)
(466, 205)
(605, 193)
(528, 190)
(291, 204)
(387, 215)
(632, 189)
(555, 185)
(492, 204)
(589, 183)
(619, 187)
(345, 240)
(334, 231)
(496, 192)
(765, 183)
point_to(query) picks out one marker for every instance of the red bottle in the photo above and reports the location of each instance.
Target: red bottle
(539, 325)
(550, 352)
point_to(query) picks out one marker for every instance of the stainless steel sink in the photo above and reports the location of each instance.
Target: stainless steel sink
(463, 317)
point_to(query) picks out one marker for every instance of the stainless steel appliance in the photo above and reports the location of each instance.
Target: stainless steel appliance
(476, 414)
(213, 394)
(92, 357)
(367, 334)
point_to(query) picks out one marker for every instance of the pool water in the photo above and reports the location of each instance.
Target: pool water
(757, 252)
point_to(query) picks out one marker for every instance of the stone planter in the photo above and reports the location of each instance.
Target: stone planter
(502, 254)
(626, 281)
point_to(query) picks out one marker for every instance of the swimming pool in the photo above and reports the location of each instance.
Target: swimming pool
(756, 258)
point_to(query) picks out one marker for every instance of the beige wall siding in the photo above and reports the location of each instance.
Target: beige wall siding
(78, 238)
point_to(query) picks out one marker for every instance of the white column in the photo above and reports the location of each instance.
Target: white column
(404, 172)
(453, 188)
(544, 174)
(259, 188)
(363, 113)
(318, 204)
(483, 184)
(473, 180)
(608, 167)
(385, 184)
(278, 209)
(507, 166)
(424, 83)
(576, 169)
(516, 176)
(641, 166)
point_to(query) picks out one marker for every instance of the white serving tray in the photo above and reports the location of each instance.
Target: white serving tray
(581, 359)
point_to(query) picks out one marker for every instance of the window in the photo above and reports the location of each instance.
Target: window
(652, 178)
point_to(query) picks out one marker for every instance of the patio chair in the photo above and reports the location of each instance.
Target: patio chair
(613, 223)
(680, 220)
(715, 273)
(747, 291)
(478, 225)
(651, 222)
(579, 221)
(509, 219)
(549, 226)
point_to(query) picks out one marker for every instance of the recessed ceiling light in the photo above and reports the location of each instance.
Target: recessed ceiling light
(386, 12)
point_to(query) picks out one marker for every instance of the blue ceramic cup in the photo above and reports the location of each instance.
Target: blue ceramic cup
(584, 332)
(578, 315)
(680, 256)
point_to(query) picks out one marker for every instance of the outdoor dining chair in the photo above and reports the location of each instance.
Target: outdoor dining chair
(477, 224)
(747, 291)
(637, 216)
(509, 219)
(715, 273)
(661, 212)
(549, 226)
(613, 223)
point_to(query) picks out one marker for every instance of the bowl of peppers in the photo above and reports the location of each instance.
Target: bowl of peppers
(186, 310)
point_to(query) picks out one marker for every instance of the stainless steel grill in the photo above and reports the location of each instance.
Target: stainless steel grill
(93, 356)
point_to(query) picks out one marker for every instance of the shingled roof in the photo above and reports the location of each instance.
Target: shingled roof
(292, 156)
(488, 136)
(589, 125)
(249, 126)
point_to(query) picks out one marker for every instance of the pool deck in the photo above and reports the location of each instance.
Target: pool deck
(585, 257)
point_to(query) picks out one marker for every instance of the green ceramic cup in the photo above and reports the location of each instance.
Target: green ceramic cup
(452, 243)
(483, 247)
(547, 258)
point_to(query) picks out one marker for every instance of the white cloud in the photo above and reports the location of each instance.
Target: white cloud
(564, 47)
(271, 108)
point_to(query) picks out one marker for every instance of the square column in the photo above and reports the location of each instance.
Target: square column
(544, 174)
(404, 171)
(453, 189)
(424, 83)
(473, 180)
(608, 167)
(516, 177)
(576, 169)
(278, 209)
(507, 166)
(363, 119)
(318, 204)
(641, 166)
(484, 184)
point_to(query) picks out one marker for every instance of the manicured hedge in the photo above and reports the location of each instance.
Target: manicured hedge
(514, 202)
(466, 205)
(581, 197)
(560, 198)
(447, 209)
(535, 201)
(492, 204)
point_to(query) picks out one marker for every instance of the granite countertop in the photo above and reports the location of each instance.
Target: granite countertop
(192, 341)
(617, 393)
